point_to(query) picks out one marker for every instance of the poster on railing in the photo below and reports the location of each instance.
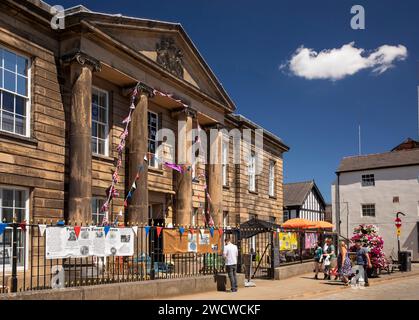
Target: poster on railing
(288, 241)
(119, 242)
(199, 242)
(79, 242)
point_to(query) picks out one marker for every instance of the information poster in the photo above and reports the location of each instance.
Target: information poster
(198, 241)
(80, 242)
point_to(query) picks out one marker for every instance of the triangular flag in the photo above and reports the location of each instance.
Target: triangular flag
(107, 228)
(202, 232)
(212, 232)
(145, 158)
(135, 229)
(42, 228)
(77, 230)
(134, 185)
(147, 230)
(2, 227)
(129, 194)
(181, 230)
(125, 203)
(220, 231)
(192, 230)
(159, 229)
(22, 225)
(60, 223)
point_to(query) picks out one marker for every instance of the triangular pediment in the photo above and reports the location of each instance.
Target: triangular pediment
(168, 46)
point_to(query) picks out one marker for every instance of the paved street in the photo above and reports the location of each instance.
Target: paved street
(395, 286)
(397, 289)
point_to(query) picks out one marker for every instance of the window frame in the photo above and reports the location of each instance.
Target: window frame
(272, 180)
(106, 154)
(224, 161)
(28, 117)
(251, 173)
(368, 215)
(26, 245)
(98, 213)
(368, 180)
(152, 162)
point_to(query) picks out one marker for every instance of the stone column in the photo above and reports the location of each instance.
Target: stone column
(215, 183)
(138, 148)
(184, 156)
(80, 184)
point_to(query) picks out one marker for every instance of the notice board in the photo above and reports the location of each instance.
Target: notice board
(198, 241)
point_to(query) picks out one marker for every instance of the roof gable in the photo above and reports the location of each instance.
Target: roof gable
(164, 44)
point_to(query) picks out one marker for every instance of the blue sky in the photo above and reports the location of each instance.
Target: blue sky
(245, 42)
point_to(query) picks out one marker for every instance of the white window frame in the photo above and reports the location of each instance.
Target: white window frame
(154, 164)
(98, 213)
(224, 157)
(252, 172)
(106, 93)
(367, 182)
(368, 216)
(26, 245)
(272, 190)
(29, 92)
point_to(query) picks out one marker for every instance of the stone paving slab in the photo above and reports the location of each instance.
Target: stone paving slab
(301, 287)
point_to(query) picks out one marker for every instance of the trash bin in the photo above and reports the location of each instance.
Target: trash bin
(405, 261)
(221, 279)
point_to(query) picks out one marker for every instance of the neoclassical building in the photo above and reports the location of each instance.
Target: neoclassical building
(65, 94)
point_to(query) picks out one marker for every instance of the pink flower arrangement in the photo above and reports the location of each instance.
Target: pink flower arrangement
(368, 234)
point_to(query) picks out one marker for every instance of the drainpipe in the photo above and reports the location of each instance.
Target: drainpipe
(338, 205)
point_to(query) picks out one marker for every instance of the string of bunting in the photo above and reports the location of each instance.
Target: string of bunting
(112, 191)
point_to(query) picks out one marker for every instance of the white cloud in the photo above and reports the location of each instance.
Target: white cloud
(338, 63)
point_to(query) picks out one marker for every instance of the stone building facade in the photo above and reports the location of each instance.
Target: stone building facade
(65, 94)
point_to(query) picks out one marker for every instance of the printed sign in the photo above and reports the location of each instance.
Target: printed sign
(79, 242)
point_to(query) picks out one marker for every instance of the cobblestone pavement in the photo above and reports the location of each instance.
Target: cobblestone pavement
(395, 286)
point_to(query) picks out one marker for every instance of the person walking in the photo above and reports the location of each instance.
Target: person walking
(363, 259)
(329, 258)
(344, 263)
(318, 257)
(230, 255)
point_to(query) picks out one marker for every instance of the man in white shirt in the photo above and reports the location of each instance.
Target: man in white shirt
(230, 255)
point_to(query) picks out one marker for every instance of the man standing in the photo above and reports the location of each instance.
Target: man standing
(363, 259)
(230, 255)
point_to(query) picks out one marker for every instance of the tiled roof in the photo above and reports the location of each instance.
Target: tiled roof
(380, 160)
(295, 193)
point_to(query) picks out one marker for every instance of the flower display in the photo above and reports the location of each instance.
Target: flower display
(368, 235)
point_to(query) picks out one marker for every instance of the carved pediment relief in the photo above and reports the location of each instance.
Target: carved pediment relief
(169, 56)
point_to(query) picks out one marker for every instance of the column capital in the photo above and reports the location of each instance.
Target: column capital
(141, 88)
(83, 59)
(188, 111)
(217, 125)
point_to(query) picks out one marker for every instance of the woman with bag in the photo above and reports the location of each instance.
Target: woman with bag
(344, 263)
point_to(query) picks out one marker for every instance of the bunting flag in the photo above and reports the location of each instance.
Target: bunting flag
(173, 166)
(212, 232)
(181, 230)
(135, 229)
(220, 231)
(125, 203)
(145, 158)
(60, 223)
(202, 232)
(77, 230)
(134, 186)
(147, 230)
(42, 228)
(159, 229)
(22, 225)
(2, 227)
(191, 230)
(127, 120)
(106, 229)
